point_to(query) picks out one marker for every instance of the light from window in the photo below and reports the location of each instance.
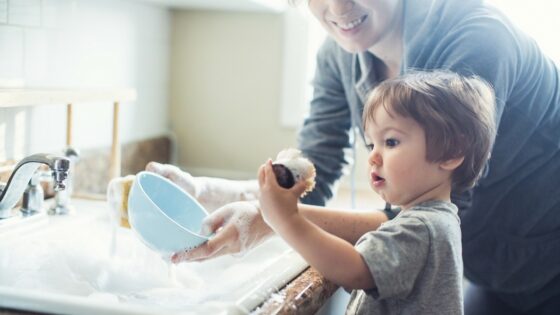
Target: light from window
(537, 18)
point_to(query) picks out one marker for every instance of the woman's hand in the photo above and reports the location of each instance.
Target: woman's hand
(212, 193)
(238, 227)
(184, 180)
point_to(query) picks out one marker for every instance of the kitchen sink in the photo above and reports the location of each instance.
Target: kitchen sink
(82, 264)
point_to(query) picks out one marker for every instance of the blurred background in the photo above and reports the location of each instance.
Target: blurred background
(225, 82)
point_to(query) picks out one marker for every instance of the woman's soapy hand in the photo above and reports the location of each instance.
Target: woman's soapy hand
(212, 193)
(183, 179)
(238, 227)
(278, 204)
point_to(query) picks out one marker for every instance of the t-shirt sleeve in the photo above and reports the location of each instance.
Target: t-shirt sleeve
(395, 255)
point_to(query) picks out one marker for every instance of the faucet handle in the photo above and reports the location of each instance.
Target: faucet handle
(71, 153)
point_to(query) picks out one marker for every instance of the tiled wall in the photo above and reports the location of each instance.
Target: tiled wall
(3, 11)
(30, 32)
(83, 44)
(25, 12)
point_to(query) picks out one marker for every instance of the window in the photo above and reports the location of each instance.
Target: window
(538, 18)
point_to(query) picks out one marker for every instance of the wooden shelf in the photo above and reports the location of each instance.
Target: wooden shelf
(36, 97)
(69, 97)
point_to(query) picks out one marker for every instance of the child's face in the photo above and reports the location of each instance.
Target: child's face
(398, 168)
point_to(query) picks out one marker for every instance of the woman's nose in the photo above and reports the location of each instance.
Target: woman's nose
(341, 7)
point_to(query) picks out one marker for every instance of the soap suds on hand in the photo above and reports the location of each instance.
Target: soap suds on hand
(291, 167)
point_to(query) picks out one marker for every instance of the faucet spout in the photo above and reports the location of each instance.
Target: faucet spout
(22, 173)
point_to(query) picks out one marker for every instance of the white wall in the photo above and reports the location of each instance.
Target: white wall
(228, 81)
(83, 43)
(226, 91)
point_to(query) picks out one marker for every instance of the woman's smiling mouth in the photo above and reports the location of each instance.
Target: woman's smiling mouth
(348, 26)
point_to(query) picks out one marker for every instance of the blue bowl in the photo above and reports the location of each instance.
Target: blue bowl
(165, 217)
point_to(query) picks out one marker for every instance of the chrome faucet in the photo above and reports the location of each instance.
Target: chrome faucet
(24, 170)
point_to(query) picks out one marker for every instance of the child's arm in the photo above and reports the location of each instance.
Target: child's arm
(349, 225)
(332, 256)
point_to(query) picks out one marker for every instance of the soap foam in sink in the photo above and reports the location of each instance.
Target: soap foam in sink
(74, 256)
(84, 265)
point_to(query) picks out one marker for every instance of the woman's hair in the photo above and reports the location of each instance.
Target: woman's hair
(456, 113)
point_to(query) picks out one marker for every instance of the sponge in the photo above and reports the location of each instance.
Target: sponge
(117, 197)
(291, 167)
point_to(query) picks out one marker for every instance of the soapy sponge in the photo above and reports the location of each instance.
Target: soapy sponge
(117, 197)
(291, 167)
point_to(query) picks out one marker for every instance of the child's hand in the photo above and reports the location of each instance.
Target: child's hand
(277, 204)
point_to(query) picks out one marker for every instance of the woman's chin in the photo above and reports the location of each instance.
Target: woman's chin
(353, 48)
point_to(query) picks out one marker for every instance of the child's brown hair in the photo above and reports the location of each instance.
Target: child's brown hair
(456, 113)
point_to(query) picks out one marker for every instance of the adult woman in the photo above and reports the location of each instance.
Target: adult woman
(511, 220)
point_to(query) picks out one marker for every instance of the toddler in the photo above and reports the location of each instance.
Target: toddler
(428, 133)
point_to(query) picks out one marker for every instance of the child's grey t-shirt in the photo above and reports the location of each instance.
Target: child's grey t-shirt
(415, 260)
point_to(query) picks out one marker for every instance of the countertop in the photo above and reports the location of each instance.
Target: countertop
(304, 295)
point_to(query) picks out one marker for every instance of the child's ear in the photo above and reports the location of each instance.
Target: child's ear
(451, 164)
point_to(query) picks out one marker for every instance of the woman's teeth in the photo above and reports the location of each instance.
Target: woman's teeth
(352, 24)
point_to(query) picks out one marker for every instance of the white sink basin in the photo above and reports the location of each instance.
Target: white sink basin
(67, 267)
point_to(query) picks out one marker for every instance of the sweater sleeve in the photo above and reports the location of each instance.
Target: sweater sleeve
(325, 132)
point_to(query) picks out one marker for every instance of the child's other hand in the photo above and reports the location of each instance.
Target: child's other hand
(277, 204)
